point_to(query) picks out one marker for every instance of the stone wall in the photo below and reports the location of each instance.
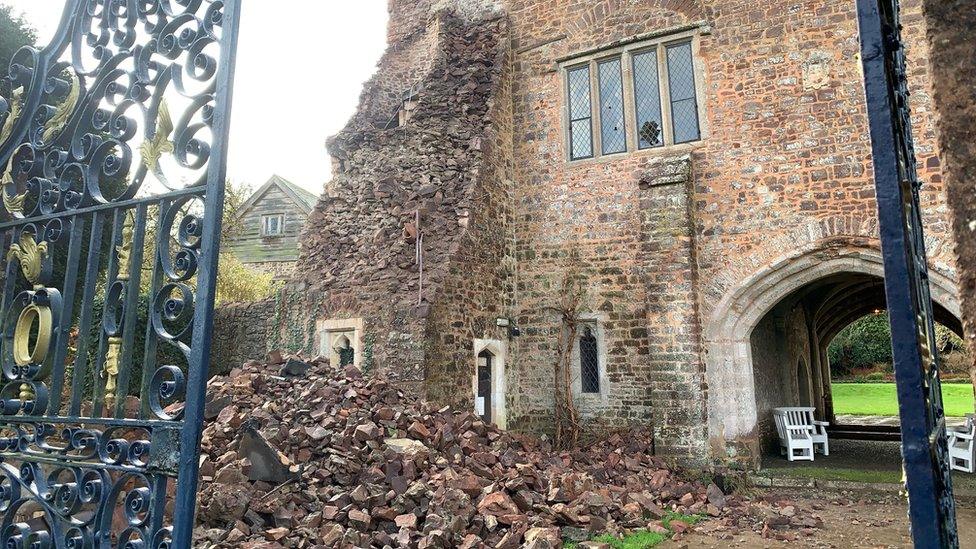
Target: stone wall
(783, 169)
(241, 332)
(587, 218)
(953, 62)
(781, 351)
(682, 249)
(668, 263)
(479, 285)
(281, 271)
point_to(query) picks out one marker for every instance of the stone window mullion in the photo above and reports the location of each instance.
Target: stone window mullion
(667, 131)
(597, 122)
(630, 103)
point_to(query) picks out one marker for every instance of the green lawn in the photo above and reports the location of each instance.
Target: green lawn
(880, 399)
(835, 473)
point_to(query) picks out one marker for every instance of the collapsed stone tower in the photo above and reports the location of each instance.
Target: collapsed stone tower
(409, 250)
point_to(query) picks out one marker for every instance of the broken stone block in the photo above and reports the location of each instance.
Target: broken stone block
(295, 368)
(406, 446)
(267, 463)
(715, 496)
(215, 405)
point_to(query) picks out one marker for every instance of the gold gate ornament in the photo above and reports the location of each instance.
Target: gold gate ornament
(30, 254)
(23, 354)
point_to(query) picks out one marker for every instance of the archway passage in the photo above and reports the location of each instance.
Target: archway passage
(790, 359)
(783, 313)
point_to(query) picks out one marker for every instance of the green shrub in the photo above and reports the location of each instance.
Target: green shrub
(861, 345)
(865, 346)
(875, 376)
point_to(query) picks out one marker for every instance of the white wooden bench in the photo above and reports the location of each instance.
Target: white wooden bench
(795, 433)
(819, 432)
(962, 455)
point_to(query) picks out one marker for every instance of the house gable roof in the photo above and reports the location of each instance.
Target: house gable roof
(303, 199)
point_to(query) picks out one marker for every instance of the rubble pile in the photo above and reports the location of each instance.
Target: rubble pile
(298, 454)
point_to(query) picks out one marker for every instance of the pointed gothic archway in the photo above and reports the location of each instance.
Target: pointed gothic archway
(784, 313)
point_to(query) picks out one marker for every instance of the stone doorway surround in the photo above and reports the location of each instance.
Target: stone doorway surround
(499, 351)
(732, 409)
(331, 331)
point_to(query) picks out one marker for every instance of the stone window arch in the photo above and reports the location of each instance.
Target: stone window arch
(341, 340)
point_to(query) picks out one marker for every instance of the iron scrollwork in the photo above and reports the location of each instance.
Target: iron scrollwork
(112, 165)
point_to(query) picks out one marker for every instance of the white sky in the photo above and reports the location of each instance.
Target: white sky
(300, 69)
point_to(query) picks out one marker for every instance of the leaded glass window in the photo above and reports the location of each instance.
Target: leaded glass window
(647, 99)
(684, 101)
(634, 97)
(580, 113)
(612, 133)
(589, 361)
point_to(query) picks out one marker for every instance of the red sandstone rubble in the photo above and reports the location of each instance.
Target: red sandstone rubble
(328, 458)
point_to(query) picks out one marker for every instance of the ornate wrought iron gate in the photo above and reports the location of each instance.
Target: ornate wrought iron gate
(916, 356)
(112, 158)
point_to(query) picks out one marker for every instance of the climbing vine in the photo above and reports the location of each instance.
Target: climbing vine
(572, 298)
(368, 341)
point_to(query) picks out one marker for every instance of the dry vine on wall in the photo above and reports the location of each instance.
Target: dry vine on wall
(565, 414)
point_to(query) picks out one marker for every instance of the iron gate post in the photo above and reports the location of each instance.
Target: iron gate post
(185, 507)
(916, 356)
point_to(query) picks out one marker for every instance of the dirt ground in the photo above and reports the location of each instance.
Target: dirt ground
(848, 522)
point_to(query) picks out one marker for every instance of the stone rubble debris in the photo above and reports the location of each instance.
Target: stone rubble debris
(330, 458)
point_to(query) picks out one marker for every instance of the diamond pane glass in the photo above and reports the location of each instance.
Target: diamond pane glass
(647, 98)
(589, 362)
(581, 129)
(684, 102)
(612, 107)
(579, 93)
(581, 138)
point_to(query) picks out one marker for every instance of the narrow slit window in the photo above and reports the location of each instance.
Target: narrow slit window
(684, 100)
(580, 113)
(647, 100)
(589, 361)
(612, 133)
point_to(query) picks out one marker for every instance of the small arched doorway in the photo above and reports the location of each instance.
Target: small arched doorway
(488, 383)
(483, 403)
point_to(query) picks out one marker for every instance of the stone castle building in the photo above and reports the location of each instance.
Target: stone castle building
(702, 166)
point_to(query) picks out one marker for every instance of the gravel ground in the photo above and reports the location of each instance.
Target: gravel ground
(848, 523)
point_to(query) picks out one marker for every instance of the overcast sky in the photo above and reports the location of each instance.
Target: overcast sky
(300, 68)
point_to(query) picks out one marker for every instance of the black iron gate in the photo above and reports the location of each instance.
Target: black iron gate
(916, 356)
(112, 158)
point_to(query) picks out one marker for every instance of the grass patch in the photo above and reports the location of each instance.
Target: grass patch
(642, 539)
(831, 473)
(635, 540)
(881, 399)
